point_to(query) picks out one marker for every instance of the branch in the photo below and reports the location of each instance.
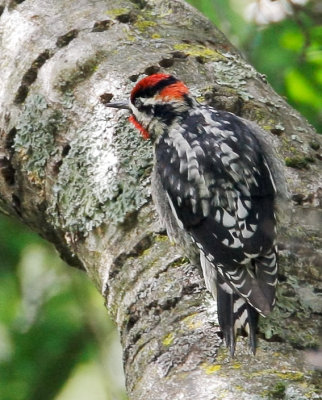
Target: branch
(77, 173)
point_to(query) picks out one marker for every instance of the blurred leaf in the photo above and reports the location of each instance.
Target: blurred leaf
(52, 319)
(302, 90)
(38, 282)
(9, 297)
(315, 57)
(316, 36)
(226, 18)
(86, 379)
(292, 39)
(276, 49)
(6, 345)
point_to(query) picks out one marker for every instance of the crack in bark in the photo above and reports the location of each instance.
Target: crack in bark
(142, 245)
(9, 141)
(157, 309)
(101, 26)
(65, 39)
(7, 171)
(31, 75)
(16, 204)
(127, 18)
(140, 3)
(14, 3)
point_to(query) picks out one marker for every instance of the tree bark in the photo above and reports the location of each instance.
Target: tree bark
(79, 175)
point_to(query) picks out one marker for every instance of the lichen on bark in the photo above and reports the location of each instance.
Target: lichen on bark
(77, 173)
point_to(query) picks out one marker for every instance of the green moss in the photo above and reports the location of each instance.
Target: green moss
(210, 368)
(161, 238)
(236, 365)
(192, 321)
(200, 99)
(314, 145)
(116, 12)
(198, 50)
(168, 339)
(298, 162)
(70, 78)
(290, 375)
(142, 25)
(278, 391)
(287, 375)
(35, 138)
(145, 253)
(259, 113)
(179, 261)
(295, 157)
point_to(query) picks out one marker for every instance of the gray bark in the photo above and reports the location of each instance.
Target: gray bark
(79, 175)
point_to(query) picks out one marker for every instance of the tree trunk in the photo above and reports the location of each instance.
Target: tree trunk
(78, 174)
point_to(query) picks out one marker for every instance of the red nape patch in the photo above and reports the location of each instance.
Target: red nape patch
(138, 126)
(149, 81)
(174, 91)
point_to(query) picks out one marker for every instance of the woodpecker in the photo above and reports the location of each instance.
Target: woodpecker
(214, 186)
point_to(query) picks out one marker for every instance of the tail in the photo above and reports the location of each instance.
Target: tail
(247, 294)
(235, 313)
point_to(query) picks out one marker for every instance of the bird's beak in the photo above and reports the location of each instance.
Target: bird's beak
(121, 105)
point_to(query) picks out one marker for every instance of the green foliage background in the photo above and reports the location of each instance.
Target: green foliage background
(56, 341)
(289, 53)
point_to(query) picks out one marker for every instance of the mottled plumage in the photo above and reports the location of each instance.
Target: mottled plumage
(215, 189)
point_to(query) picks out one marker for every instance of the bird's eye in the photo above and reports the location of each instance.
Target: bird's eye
(138, 103)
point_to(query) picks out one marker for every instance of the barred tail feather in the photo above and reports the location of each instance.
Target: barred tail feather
(246, 285)
(235, 313)
(266, 274)
(242, 295)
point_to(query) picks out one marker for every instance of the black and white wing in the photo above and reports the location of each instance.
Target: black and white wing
(221, 190)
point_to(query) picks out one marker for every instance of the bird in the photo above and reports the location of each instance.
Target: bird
(215, 184)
